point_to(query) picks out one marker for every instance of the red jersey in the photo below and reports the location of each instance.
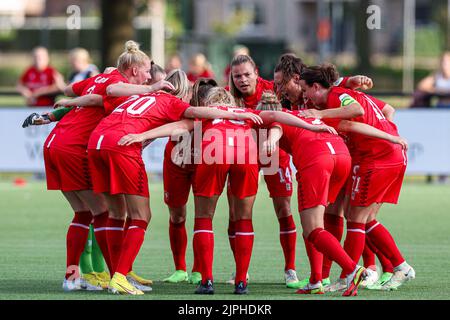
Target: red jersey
(363, 148)
(136, 114)
(34, 79)
(189, 163)
(305, 145)
(71, 134)
(205, 74)
(232, 135)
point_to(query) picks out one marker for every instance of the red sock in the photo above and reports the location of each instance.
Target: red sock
(334, 225)
(77, 235)
(114, 234)
(327, 244)
(383, 241)
(315, 261)
(131, 245)
(288, 240)
(196, 264)
(232, 236)
(244, 246)
(204, 246)
(386, 264)
(100, 223)
(125, 229)
(369, 257)
(178, 244)
(354, 241)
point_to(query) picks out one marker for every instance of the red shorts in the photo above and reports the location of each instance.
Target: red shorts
(210, 179)
(321, 181)
(280, 184)
(177, 183)
(116, 173)
(66, 171)
(371, 184)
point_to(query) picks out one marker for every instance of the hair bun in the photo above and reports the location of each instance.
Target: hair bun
(131, 46)
(269, 98)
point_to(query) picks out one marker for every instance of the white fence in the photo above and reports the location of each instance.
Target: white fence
(427, 131)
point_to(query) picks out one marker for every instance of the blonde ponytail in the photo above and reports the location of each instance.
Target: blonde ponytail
(131, 57)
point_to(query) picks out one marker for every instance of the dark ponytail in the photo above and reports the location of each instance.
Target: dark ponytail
(289, 64)
(325, 75)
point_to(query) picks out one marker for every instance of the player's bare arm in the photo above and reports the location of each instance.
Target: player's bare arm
(214, 113)
(159, 132)
(359, 82)
(275, 134)
(388, 112)
(350, 111)
(365, 129)
(291, 120)
(89, 100)
(128, 89)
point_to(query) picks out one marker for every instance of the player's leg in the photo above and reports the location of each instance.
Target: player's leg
(385, 243)
(85, 258)
(244, 238)
(138, 281)
(98, 206)
(385, 185)
(231, 228)
(139, 211)
(209, 182)
(244, 186)
(203, 240)
(334, 224)
(177, 185)
(288, 238)
(355, 237)
(178, 244)
(327, 244)
(76, 238)
(114, 229)
(99, 209)
(280, 190)
(386, 265)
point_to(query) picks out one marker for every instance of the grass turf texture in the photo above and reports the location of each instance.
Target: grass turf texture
(35, 221)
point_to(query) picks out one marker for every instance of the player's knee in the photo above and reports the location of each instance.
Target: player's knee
(284, 211)
(117, 214)
(177, 215)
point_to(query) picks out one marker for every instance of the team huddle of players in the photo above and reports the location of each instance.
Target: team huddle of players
(348, 155)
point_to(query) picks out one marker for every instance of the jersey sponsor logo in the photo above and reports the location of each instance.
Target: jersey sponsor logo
(346, 100)
(317, 121)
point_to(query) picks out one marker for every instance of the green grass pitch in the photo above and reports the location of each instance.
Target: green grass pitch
(34, 222)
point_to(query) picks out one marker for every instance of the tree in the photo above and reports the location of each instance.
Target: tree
(117, 28)
(362, 37)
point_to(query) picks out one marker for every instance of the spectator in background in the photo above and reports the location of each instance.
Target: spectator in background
(438, 83)
(81, 66)
(40, 83)
(173, 63)
(199, 67)
(237, 51)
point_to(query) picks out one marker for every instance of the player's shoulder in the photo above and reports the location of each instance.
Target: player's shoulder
(342, 95)
(29, 70)
(265, 84)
